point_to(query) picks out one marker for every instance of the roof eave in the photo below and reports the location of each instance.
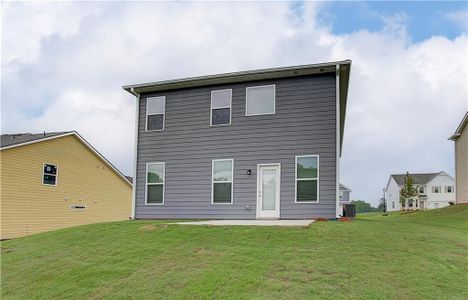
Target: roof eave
(234, 77)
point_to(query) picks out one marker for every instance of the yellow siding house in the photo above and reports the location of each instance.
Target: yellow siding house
(460, 137)
(56, 180)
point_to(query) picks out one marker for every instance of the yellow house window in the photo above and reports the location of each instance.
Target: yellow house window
(49, 175)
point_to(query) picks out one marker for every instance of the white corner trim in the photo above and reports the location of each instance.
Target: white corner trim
(338, 150)
(135, 156)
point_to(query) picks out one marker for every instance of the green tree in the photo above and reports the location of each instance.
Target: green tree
(361, 206)
(407, 192)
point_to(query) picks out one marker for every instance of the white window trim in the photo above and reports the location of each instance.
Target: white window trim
(164, 115)
(56, 174)
(256, 87)
(163, 183)
(230, 108)
(231, 182)
(304, 179)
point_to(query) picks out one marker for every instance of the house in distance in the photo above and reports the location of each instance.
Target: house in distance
(56, 180)
(435, 190)
(246, 145)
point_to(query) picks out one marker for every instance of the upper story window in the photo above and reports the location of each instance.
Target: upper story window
(421, 190)
(49, 175)
(221, 101)
(436, 189)
(155, 178)
(260, 100)
(221, 183)
(307, 179)
(449, 189)
(155, 113)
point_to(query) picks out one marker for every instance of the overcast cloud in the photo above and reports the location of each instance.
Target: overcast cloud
(63, 66)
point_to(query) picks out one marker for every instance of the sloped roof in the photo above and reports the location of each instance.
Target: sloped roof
(460, 128)
(421, 178)
(20, 138)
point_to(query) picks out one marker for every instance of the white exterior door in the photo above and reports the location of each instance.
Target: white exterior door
(268, 191)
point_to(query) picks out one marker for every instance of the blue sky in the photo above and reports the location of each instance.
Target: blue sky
(63, 69)
(423, 19)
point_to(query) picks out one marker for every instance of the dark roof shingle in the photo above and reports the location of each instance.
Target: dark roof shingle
(19, 138)
(421, 178)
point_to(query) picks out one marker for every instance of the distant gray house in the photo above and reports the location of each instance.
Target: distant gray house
(245, 145)
(344, 197)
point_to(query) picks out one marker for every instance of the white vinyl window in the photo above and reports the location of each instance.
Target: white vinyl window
(260, 100)
(221, 102)
(449, 189)
(155, 113)
(155, 178)
(421, 190)
(436, 189)
(49, 174)
(307, 179)
(222, 181)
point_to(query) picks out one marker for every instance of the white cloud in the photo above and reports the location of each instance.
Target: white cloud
(405, 98)
(459, 17)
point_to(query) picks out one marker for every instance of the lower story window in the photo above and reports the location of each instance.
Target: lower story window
(221, 184)
(307, 179)
(155, 177)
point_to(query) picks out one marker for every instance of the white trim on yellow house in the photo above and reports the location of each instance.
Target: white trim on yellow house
(82, 140)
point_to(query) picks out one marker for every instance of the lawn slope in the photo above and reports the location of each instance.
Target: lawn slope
(421, 255)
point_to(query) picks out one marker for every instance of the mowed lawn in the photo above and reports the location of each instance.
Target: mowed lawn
(421, 255)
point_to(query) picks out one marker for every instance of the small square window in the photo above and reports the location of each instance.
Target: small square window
(260, 100)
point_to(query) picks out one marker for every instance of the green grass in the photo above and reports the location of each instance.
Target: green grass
(421, 255)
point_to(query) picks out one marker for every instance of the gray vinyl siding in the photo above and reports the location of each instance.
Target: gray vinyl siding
(304, 123)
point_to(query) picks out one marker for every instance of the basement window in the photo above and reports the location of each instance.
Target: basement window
(155, 113)
(49, 174)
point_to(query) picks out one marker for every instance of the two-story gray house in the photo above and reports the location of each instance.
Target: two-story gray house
(245, 145)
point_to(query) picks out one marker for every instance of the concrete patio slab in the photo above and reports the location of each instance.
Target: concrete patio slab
(249, 222)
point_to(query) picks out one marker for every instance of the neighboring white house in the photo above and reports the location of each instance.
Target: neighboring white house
(344, 197)
(435, 190)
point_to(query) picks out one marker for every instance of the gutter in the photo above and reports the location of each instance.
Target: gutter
(135, 154)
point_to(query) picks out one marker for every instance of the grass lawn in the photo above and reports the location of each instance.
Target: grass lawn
(419, 255)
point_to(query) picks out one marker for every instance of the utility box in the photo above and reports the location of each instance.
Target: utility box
(349, 210)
